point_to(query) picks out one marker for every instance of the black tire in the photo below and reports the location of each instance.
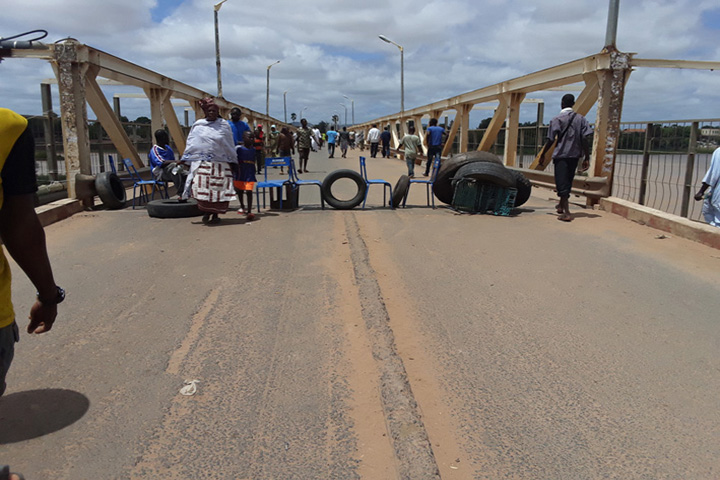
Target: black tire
(172, 208)
(523, 186)
(110, 190)
(336, 203)
(485, 172)
(400, 191)
(442, 188)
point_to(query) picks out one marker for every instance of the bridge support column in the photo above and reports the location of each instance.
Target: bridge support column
(464, 114)
(512, 127)
(70, 72)
(611, 91)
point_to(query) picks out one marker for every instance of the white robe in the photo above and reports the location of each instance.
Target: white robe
(711, 204)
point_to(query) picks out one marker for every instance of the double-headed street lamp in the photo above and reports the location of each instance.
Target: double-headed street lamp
(343, 105)
(217, 48)
(402, 73)
(267, 97)
(352, 104)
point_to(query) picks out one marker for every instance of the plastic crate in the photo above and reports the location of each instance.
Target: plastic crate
(474, 197)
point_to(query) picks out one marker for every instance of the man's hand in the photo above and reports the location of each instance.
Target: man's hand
(699, 196)
(585, 164)
(41, 318)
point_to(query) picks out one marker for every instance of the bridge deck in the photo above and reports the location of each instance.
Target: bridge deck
(533, 348)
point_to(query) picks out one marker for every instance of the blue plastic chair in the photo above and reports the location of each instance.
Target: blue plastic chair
(376, 181)
(299, 182)
(278, 183)
(428, 184)
(139, 183)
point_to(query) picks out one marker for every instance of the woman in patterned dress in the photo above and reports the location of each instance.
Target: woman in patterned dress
(210, 150)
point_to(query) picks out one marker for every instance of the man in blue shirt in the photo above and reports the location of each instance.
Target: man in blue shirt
(163, 164)
(434, 141)
(331, 137)
(238, 126)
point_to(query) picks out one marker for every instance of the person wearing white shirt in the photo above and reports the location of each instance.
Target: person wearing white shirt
(374, 139)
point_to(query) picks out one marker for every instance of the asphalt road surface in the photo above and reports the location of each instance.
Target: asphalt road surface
(377, 344)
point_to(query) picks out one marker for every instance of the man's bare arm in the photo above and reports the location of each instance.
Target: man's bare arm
(24, 239)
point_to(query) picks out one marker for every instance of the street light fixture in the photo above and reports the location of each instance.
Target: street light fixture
(301, 112)
(267, 97)
(402, 76)
(216, 9)
(285, 103)
(352, 103)
(343, 105)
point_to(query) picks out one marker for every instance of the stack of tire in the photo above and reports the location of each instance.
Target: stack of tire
(484, 167)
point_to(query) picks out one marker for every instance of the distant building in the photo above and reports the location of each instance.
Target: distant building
(710, 132)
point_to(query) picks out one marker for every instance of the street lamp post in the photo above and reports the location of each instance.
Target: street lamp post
(285, 103)
(217, 47)
(301, 112)
(343, 105)
(352, 104)
(267, 97)
(402, 76)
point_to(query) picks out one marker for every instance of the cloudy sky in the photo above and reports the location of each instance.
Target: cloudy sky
(331, 49)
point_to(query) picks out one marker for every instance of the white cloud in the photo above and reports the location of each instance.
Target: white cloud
(331, 49)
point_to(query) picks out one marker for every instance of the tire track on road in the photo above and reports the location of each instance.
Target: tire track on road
(410, 439)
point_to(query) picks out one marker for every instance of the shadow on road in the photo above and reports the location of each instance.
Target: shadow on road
(34, 413)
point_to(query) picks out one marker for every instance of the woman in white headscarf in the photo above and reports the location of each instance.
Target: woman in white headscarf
(210, 150)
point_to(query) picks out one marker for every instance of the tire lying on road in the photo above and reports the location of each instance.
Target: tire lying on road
(523, 186)
(400, 191)
(443, 188)
(172, 208)
(337, 203)
(110, 190)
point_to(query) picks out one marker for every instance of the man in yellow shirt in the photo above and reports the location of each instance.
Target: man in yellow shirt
(23, 237)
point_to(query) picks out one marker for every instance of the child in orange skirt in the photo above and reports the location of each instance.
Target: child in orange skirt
(245, 180)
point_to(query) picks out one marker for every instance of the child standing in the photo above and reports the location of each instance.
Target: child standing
(244, 180)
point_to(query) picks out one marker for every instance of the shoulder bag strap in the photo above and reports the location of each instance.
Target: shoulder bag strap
(572, 117)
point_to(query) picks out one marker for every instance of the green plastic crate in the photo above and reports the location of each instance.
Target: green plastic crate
(475, 197)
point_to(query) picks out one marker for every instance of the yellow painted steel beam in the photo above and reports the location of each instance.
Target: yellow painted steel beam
(494, 127)
(689, 64)
(109, 121)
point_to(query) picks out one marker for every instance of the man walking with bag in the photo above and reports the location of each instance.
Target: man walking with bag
(570, 130)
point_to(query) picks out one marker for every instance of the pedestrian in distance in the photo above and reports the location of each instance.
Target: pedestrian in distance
(331, 138)
(374, 139)
(259, 136)
(711, 180)
(304, 143)
(385, 139)
(272, 142)
(569, 130)
(286, 145)
(434, 139)
(244, 174)
(411, 145)
(344, 142)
